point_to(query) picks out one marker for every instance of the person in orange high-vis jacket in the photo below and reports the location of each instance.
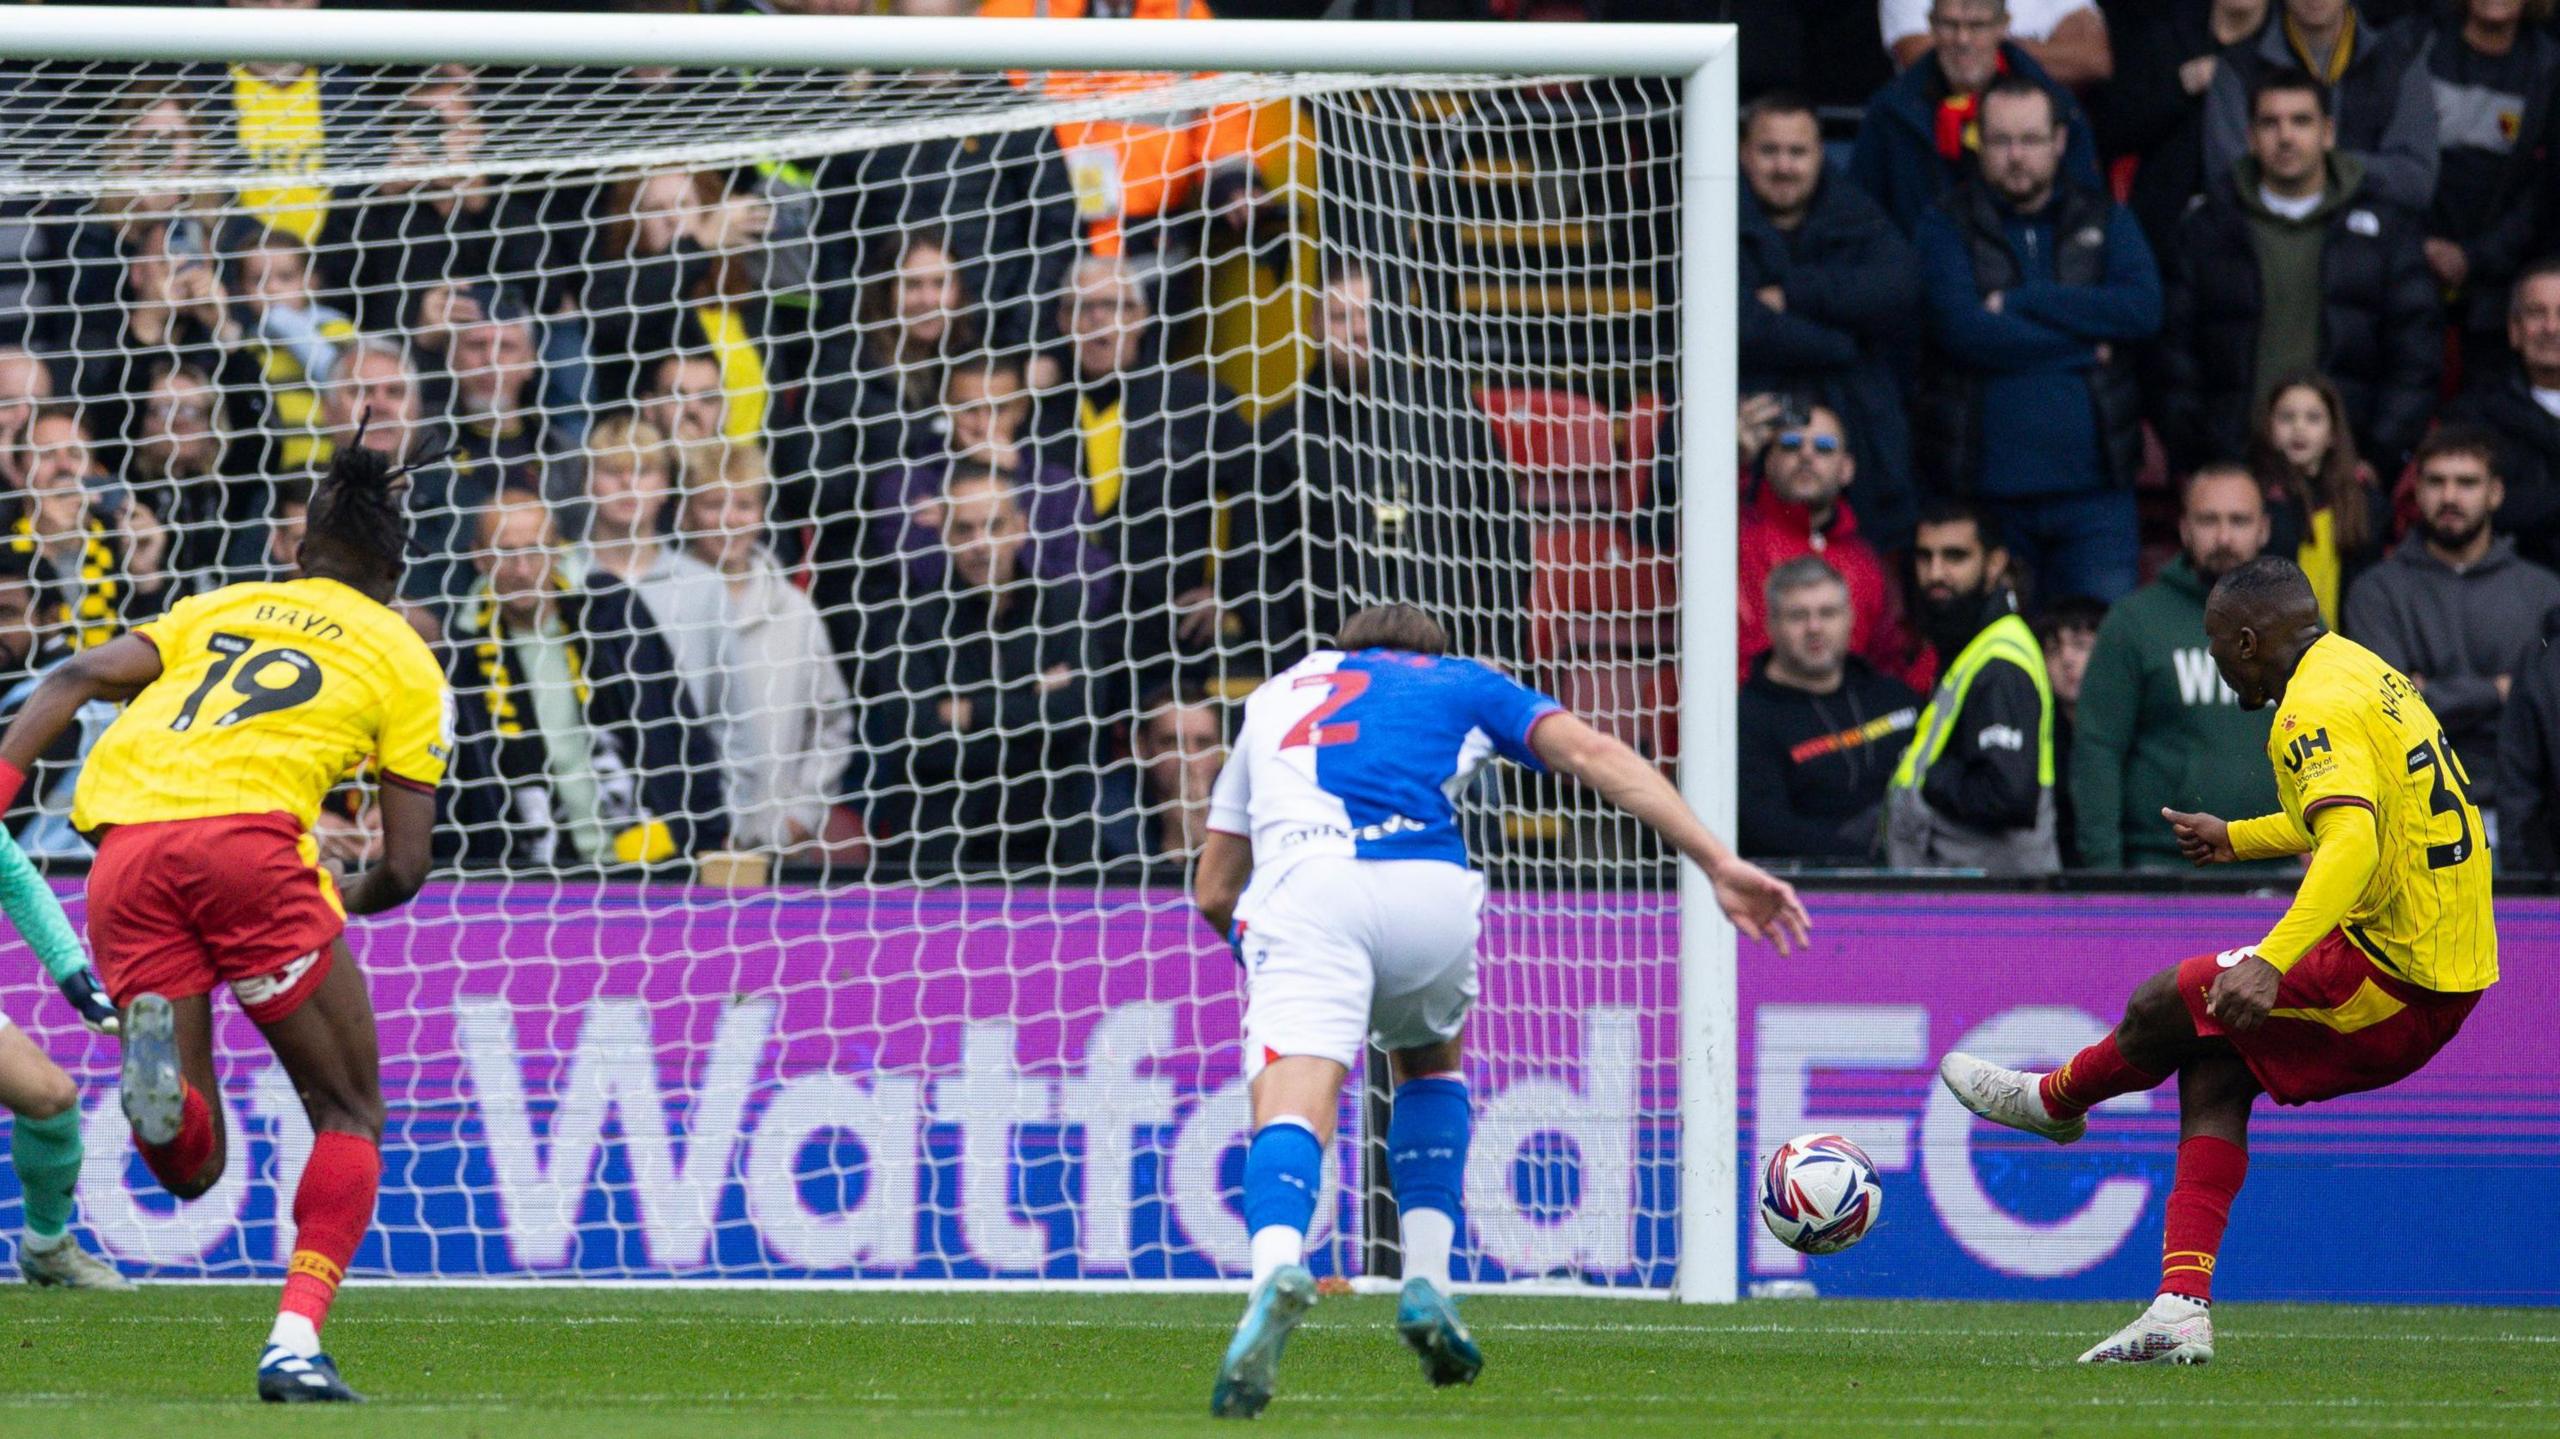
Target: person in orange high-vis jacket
(1128, 173)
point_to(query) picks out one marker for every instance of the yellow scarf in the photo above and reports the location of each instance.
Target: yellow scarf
(2318, 556)
(491, 655)
(93, 617)
(1102, 437)
(646, 841)
(296, 402)
(744, 389)
(281, 129)
(2338, 58)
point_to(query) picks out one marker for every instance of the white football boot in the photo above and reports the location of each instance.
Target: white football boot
(2006, 1096)
(65, 1265)
(2174, 1330)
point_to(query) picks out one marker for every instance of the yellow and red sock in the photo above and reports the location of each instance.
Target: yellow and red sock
(2091, 1077)
(332, 1208)
(2210, 1171)
(178, 1162)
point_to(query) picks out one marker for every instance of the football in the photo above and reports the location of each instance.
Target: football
(1819, 1193)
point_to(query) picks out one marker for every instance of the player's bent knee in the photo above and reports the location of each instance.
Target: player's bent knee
(55, 1095)
(2155, 1011)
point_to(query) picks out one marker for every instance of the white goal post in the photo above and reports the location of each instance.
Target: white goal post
(700, 925)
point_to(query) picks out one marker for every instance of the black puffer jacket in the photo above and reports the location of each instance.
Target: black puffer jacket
(1818, 764)
(2379, 336)
(1012, 778)
(2528, 792)
(1852, 321)
(2096, 263)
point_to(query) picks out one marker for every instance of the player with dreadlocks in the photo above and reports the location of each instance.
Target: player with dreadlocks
(247, 706)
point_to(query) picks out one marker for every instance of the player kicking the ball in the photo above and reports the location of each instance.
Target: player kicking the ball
(248, 705)
(1361, 921)
(2385, 950)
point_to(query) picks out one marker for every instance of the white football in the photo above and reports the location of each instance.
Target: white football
(1819, 1193)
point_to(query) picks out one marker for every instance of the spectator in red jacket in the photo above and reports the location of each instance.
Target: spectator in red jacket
(1792, 507)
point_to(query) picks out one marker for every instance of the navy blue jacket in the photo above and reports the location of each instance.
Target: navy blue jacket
(1851, 323)
(1897, 160)
(2018, 404)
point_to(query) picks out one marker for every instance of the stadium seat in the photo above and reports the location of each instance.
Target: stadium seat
(1640, 432)
(1569, 452)
(1594, 592)
(1632, 698)
(1602, 613)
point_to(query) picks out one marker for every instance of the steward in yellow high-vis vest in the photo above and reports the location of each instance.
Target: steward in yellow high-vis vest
(1975, 789)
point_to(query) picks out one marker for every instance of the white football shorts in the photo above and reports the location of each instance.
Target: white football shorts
(1338, 950)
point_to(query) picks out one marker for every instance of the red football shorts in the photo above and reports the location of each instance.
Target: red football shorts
(179, 906)
(2341, 1023)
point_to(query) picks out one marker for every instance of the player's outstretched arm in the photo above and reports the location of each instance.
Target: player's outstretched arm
(116, 670)
(1759, 904)
(2205, 839)
(36, 913)
(408, 845)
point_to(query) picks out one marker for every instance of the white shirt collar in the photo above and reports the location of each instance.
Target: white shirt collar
(2295, 209)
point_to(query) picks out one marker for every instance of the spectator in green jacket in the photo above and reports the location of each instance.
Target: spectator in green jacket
(2157, 726)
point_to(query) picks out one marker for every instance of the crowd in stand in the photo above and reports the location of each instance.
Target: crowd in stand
(828, 508)
(2102, 302)
(869, 504)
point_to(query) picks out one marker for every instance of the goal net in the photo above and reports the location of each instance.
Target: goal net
(850, 505)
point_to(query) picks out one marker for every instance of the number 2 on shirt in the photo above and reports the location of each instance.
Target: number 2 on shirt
(1311, 729)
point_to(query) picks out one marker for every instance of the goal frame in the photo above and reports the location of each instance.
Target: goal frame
(1702, 57)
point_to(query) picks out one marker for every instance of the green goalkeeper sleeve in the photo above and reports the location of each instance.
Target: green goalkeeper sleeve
(33, 908)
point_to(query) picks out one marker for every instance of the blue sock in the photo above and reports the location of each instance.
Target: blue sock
(1427, 1161)
(1281, 1172)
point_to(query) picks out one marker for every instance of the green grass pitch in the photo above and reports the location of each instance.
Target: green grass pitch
(572, 1363)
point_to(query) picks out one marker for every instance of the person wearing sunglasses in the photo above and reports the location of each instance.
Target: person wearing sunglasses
(1830, 301)
(1793, 507)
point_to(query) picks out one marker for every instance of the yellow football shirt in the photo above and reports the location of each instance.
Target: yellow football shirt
(282, 129)
(1103, 437)
(2352, 730)
(268, 696)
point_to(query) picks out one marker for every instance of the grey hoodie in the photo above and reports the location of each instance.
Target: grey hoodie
(2456, 631)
